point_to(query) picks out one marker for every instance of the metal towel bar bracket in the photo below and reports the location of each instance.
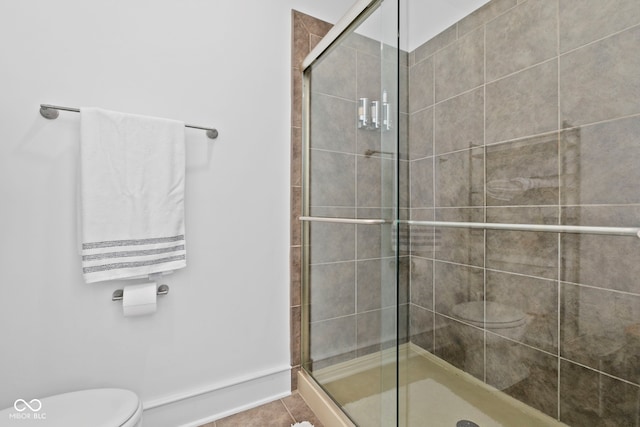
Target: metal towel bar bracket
(52, 112)
(118, 293)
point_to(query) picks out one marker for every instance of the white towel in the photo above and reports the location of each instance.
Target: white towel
(132, 171)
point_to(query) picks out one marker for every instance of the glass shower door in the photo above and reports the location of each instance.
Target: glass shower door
(350, 259)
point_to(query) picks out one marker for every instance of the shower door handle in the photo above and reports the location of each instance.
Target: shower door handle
(344, 220)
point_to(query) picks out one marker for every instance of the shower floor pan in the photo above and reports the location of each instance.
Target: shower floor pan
(432, 392)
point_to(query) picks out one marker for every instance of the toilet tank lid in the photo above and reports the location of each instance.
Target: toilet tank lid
(496, 312)
(104, 407)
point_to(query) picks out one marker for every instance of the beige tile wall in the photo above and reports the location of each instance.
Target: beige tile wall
(528, 111)
(306, 32)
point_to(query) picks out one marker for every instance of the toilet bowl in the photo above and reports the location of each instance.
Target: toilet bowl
(500, 321)
(104, 407)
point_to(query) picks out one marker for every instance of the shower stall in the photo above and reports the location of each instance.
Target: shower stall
(470, 213)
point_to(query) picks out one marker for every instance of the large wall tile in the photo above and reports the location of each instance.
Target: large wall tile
(296, 211)
(315, 27)
(394, 81)
(376, 330)
(300, 42)
(333, 126)
(403, 79)
(403, 135)
(421, 183)
(369, 76)
(525, 252)
(460, 66)
(423, 240)
(483, 15)
(523, 104)
(589, 398)
(376, 284)
(331, 242)
(524, 36)
(296, 156)
(523, 172)
(609, 262)
(332, 290)
(422, 282)
(295, 274)
(374, 241)
(459, 122)
(421, 84)
(421, 134)
(431, 46)
(584, 21)
(403, 320)
(600, 163)
(600, 81)
(369, 143)
(332, 179)
(601, 329)
(363, 44)
(455, 342)
(332, 341)
(403, 265)
(335, 74)
(456, 284)
(459, 178)
(421, 327)
(460, 245)
(535, 373)
(296, 97)
(375, 186)
(403, 187)
(536, 298)
(295, 329)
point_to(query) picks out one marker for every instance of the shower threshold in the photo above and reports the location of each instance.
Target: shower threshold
(432, 393)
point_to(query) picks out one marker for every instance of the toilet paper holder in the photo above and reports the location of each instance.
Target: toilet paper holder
(117, 294)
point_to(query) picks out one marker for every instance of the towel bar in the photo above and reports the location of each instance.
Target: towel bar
(51, 112)
(612, 231)
(118, 293)
(578, 229)
(343, 220)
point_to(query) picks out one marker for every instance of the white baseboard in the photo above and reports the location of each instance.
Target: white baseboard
(197, 407)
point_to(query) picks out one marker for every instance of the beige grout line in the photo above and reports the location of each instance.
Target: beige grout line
(288, 411)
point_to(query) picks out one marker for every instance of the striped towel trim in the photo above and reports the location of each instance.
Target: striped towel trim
(133, 257)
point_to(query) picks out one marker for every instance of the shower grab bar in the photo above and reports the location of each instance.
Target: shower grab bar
(51, 112)
(580, 229)
(343, 220)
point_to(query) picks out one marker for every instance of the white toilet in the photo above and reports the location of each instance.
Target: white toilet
(501, 320)
(103, 407)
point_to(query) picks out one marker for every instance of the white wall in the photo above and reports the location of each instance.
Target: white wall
(423, 19)
(219, 63)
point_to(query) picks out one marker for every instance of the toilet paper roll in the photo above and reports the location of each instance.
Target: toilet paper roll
(138, 300)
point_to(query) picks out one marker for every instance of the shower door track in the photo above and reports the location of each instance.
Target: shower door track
(577, 229)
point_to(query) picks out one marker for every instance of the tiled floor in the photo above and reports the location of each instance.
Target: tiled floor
(279, 413)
